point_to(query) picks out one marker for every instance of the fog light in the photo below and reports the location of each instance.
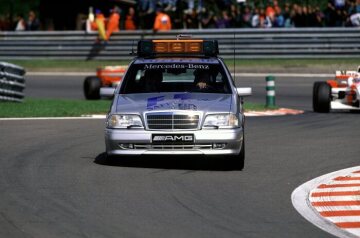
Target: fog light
(219, 145)
(126, 146)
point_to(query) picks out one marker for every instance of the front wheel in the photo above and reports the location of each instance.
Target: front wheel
(321, 97)
(92, 87)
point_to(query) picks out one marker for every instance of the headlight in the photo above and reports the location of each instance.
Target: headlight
(123, 121)
(221, 121)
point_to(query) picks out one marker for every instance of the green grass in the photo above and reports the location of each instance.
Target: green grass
(258, 107)
(86, 66)
(70, 108)
(53, 108)
(65, 65)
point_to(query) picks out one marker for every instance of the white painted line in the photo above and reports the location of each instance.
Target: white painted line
(344, 219)
(334, 198)
(340, 189)
(95, 116)
(345, 182)
(300, 75)
(68, 74)
(300, 200)
(348, 208)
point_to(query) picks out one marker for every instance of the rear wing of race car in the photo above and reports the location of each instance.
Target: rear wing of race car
(342, 78)
(346, 73)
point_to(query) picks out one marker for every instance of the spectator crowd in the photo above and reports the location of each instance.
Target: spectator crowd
(192, 14)
(205, 14)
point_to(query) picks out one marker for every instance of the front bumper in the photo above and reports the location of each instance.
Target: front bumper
(206, 142)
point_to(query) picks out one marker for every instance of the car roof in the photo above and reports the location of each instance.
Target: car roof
(207, 60)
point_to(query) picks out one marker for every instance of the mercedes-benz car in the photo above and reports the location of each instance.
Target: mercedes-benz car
(177, 97)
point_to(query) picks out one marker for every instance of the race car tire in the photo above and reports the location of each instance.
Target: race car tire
(92, 87)
(321, 97)
(238, 161)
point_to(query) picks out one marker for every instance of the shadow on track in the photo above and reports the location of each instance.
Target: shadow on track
(168, 162)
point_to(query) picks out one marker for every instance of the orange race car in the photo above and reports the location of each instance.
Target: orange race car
(108, 76)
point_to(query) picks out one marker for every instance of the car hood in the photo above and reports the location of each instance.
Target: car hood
(202, 102)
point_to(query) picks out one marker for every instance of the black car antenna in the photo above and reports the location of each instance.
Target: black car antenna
(234, 55)
(132, 48)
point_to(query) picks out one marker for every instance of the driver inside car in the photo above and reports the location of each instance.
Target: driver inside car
(202, 81)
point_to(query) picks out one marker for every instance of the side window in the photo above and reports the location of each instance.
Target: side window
(132, 81)
(219, 78)
(138, 75)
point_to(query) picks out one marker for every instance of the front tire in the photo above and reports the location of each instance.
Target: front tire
(321, 97)
(92, 88)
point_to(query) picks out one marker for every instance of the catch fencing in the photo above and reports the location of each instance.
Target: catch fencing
(12, 82)
(275, 43)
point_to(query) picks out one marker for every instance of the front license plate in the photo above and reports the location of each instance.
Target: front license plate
(173, 138)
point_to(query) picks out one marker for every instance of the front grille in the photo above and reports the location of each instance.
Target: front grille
(172, 121)
(172, 147)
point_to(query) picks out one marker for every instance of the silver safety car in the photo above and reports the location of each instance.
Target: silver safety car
(177, 97)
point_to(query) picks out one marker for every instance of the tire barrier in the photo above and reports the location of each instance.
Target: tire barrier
(12, 82)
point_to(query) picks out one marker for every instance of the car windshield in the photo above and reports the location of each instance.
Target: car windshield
(175, 77)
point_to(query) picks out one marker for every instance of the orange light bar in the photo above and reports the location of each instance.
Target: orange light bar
(178, 46)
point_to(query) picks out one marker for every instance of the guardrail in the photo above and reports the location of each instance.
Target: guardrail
(245, 43)
(12, 82)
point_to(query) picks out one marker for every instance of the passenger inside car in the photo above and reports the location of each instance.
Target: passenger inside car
(152, 80)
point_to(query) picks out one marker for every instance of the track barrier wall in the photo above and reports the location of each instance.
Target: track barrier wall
(12, 82)
(275, 43)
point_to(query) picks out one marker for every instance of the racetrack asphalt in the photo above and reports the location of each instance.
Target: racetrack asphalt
(294, 92)
(55, 182)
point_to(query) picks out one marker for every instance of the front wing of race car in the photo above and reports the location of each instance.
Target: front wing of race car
(342, 103)
(338, 105)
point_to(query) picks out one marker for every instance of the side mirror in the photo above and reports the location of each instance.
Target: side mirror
(244, 92)
(107, 92)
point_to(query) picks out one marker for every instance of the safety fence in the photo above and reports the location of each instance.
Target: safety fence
(12, 82)
(234, 43)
